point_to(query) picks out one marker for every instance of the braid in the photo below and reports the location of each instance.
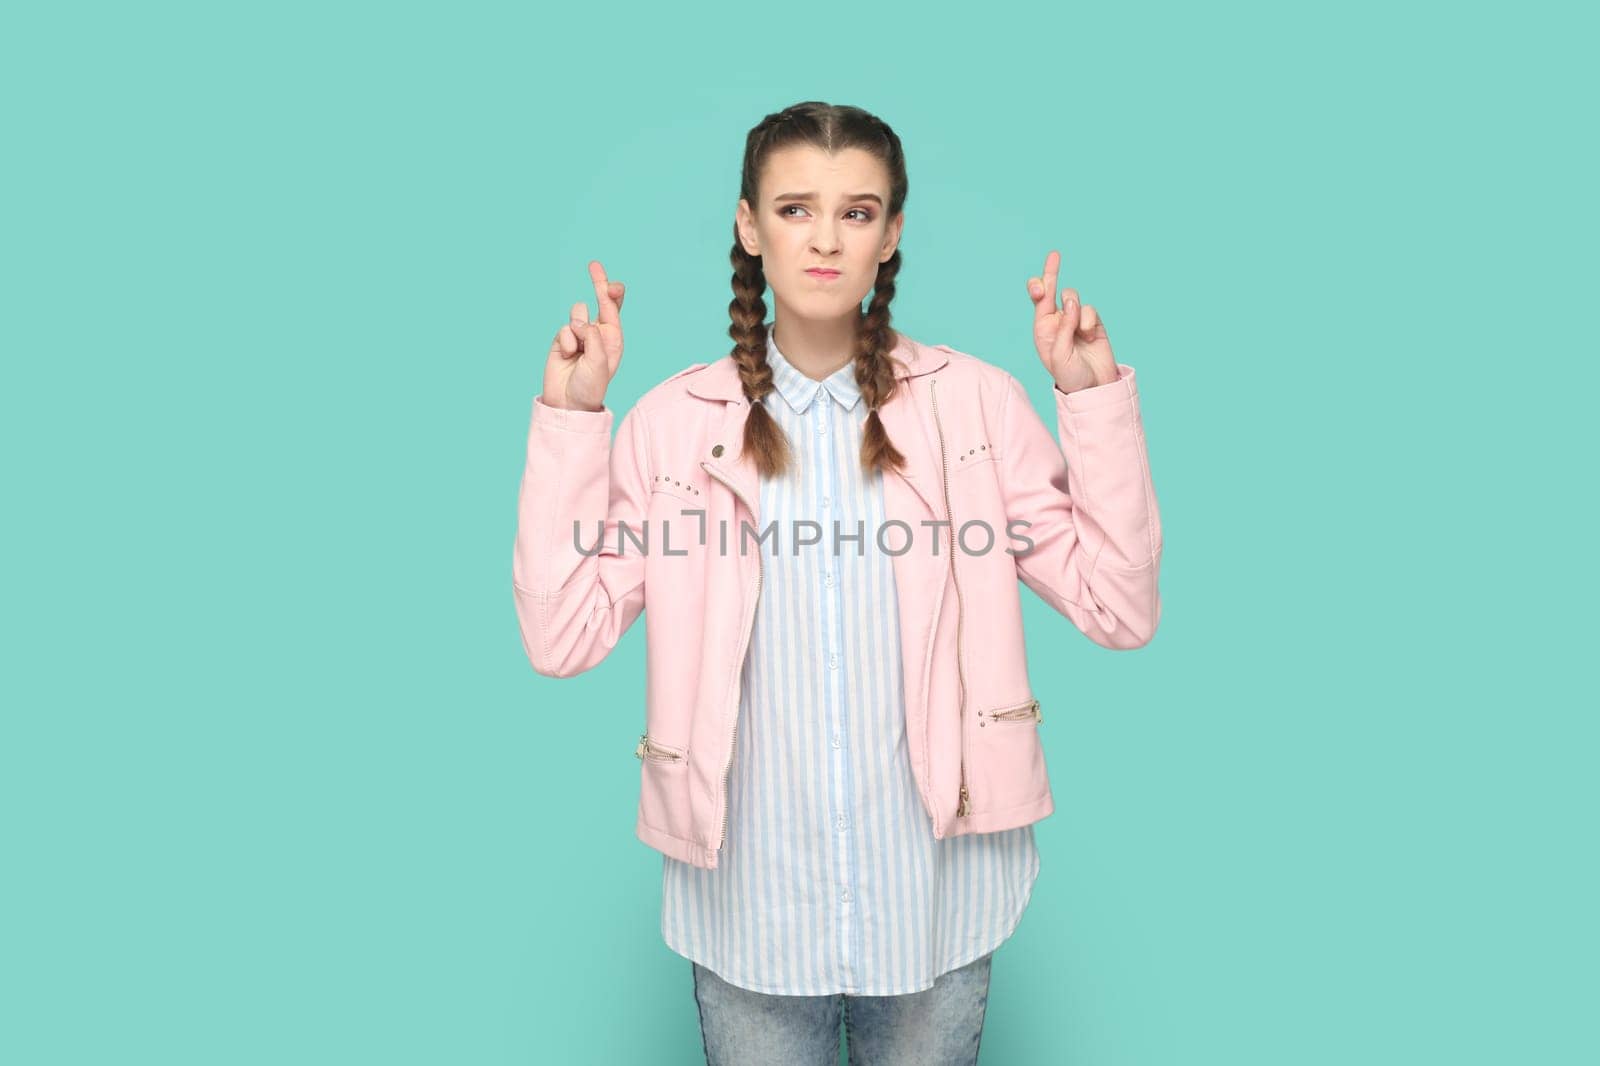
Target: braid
(875, 369)
(763, 437)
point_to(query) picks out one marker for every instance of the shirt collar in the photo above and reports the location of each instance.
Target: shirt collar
(799, 390)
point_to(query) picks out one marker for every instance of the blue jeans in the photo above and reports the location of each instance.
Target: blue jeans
(939, 1026)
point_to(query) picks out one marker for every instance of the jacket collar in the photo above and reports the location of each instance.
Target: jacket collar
(720, 380)
(905, 419)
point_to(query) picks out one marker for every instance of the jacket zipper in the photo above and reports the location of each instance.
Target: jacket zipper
(650, 749)
(1023, 712)
(964, 804)
(722, 833)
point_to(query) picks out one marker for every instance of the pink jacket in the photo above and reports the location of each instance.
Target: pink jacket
(977, 455)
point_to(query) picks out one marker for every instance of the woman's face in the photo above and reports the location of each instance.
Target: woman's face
(820, 210)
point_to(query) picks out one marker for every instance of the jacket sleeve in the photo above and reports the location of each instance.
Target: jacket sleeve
(1088, 506)
(573, 607)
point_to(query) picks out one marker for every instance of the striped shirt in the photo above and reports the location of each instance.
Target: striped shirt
(830, 879)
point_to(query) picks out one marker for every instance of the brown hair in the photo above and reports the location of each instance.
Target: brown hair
(833, 128)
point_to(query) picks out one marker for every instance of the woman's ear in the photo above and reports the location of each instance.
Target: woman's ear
(891, 239)
(745, 220)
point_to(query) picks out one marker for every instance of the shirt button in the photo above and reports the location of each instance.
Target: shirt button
(845, 896)
(842, 822)
(833, 660)
(836, 741)
(827, 579)
(825, 501)
(822, 427)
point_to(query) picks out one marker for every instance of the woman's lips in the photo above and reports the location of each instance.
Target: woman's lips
(825, 275)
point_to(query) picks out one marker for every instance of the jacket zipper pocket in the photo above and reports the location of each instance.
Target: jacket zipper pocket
(964, 802)
(1022, 712)
(654, 749)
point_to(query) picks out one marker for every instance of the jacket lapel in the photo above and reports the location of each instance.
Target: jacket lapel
(906, 426)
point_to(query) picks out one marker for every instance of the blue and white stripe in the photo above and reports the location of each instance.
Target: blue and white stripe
(830, 879)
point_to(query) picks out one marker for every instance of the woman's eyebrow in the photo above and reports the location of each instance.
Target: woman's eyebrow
(874, 197)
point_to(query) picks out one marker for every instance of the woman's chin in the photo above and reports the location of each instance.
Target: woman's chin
(822, 306)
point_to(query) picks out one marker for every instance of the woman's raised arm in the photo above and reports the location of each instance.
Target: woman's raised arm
(574, 605)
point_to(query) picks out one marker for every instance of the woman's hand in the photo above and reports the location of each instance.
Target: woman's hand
(585, 355)
(1071, 339)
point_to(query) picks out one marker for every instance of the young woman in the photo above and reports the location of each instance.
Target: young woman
(841, 763)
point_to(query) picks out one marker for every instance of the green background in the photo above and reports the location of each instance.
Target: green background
(279, 784)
